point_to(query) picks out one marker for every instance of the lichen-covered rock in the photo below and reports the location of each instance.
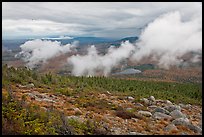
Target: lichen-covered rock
(172, 108)
(139, 105)
(145, 101)
(77, 118)
(181, 121)
(152, 107)
(194, 128)
(162, 110)
(31, 85)
(130, 98)
(145, 113)
(135, 133)
(151, 98)
(77, 111)
(159, 115)
(170, 127)
(177, 114)
(168, 103)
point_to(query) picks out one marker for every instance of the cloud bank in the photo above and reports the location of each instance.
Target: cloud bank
(95, 64)
(166, 39)
(36, 52)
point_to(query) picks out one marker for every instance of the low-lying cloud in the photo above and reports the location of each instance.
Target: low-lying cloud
(38, 51)
(93, 63)
(168, 38)
(165, 40)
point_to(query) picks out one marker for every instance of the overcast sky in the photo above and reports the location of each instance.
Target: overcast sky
(105, 19)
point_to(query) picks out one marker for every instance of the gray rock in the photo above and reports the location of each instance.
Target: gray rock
(160, 101)
(77, 118)
(31, 85)
(188, 106)
(145, 113)
(162, 110)
(129, 109)
(77, 111)
(177, 114)
(183, 133)
(200, 123)
(33, 96)
(151, 98)
(181, 121)
(168, 103)
(152, 107)
(135, 133)
(108, 92)
(139, 105)
(170, 127)
(194, 128)
(116, 131)
(145, 101)
(181, 105)
(44, 108)
(134, 119)
(130, 98)
(41, 96)
(172, 108)
(159, 115)
(48, 100)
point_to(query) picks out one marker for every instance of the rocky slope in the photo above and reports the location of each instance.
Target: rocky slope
(118, 114)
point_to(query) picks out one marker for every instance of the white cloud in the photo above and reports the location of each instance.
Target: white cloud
(168, 38)
(94, 64)
(38, 51)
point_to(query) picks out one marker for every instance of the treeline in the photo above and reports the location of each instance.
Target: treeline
(176, 92)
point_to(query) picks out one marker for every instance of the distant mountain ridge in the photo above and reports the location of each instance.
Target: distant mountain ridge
(15, 43)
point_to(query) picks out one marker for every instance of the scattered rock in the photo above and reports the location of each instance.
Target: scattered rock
(159, 115)
(129, 109)
(200, 123)
(40, 96)
(170, 127)
(31, 85)
(177, 114)
(108, 92)
(116, 131)
(134, 119)
(145, 113)
(32, 96)
(168, 103)
(135, 133)
(181, 121)
(139, 105)
(130, 98)
(77, 118)
(77, 111)
(145, 101)
(162, 110)
(160, 101)
(183, 133)
(194, 128)
(152, 107)
(103, 96)
(172, 108)
(44, 108)
(151, 98)
(48, 100)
